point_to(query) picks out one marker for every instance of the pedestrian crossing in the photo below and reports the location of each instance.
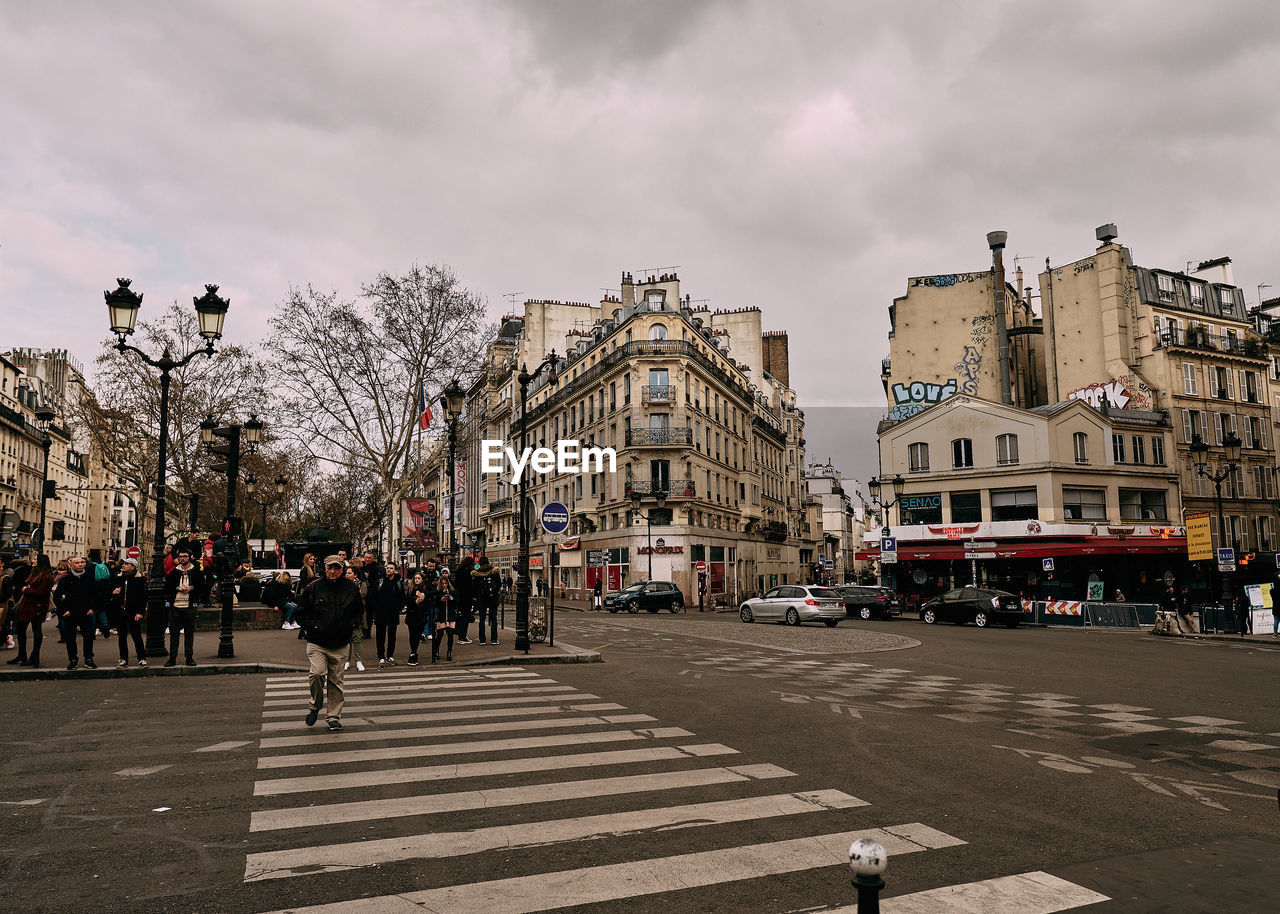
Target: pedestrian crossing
(439, 767)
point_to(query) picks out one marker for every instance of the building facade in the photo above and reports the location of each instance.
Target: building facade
(842, 525)
(709, 444)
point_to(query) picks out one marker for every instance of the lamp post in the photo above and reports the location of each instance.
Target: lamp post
(451, 401)
(251, 433)
(1199, 455)
(251, 486)
(648, 521)
(874, 487)
(525, 378)
(44, 418)
(122, 308)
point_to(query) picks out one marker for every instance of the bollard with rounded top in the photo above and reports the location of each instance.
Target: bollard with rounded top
(868, 861)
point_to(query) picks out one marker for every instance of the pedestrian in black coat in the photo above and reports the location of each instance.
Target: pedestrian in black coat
(129, 610)
(76, 600)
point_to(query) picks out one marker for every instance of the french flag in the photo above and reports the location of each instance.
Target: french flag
(424, 410)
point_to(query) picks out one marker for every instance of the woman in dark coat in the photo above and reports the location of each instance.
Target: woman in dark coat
(418, 600)
(446, 615)
(464, 605)
(32, 607)
(386, 601)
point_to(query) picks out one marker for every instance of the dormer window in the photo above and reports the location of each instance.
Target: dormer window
(1166, 286)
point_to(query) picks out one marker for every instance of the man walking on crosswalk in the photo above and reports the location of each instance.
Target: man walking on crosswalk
(329, 610)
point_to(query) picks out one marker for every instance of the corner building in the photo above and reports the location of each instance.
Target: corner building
(709, 441)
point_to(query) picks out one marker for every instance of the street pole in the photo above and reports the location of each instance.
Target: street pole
(524, 378)
(453, 472)
(46, 442)
(227, 586)
(122, 307)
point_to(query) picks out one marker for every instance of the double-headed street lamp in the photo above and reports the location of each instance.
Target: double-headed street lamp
(523, 588)
(874, 485)
(251, 434)
(122, 308)
(44, 419)
(648, 519)
(451, 401)
(251, 486)
(1199, 456)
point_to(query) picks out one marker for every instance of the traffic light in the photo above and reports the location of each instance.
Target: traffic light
(59, 531)
(50, 488)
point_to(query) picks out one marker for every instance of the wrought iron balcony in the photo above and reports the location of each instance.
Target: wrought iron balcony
(664, 488)
(678, 436)
(500, 505)
(658, 393)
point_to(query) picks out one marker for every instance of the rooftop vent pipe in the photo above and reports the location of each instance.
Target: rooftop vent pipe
(996, 241)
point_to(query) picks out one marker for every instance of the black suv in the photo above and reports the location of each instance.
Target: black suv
(865, 602)
(651, 595)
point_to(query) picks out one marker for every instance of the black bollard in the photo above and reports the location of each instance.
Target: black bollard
(868, 861)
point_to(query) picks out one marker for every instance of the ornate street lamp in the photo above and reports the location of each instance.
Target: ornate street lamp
(122, 312)
(44, 419)
(451, 401)
(250, 434)
(525, 378)
(1200, 457)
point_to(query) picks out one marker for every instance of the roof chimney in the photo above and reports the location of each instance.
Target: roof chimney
(1107, 233)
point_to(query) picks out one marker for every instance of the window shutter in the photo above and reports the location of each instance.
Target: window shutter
(1248, 435)
(1186, 424)
(1217, 428)
(1231, 383)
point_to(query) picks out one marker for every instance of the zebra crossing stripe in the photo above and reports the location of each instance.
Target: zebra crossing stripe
(428, 702)
(400, 694)
(331, 782)
(326, 739)
(1027, 893)
(470, 714)
(422, 679)
(426, 688)
(601, 884)
(398, 672)
(282, 864)
(363, 810)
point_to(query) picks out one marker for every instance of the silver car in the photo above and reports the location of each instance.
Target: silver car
(795, 604)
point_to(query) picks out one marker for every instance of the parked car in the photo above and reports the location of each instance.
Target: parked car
(653, 596)
(795, 604)
(864, 602)
(974, 604)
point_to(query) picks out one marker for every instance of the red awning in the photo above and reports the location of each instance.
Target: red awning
(1047, 547)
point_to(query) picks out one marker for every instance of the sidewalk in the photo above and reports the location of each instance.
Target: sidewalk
(276, 650)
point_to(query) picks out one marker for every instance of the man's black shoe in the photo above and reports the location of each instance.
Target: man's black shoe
(312, 717)
(191, 661)
(335, 725)
(73, 664)
(172, 661)
(88, 661)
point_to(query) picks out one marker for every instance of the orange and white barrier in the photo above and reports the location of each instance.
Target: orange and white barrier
(1062, 607)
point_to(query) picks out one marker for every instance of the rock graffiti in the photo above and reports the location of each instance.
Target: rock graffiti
(968, 367)
(916, 396)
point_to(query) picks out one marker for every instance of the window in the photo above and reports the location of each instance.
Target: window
(966, 507)
(1227, 298)
(918, 455)
(1226, 425)
(1157, 450)
(658, 332)
(1264, 533)
(1197, 296)
(1117, 448)
(1139, 449)
(1248, 386)
(626, 388)
(1006, 450)
(962, 453)
(1222, 388)
(1165, 284)
(1190, 386)
(1013, 504)
(613, 395)
(658, 377)
(660, 475)
(1080, 440)
(1084, 504)
(1143, 505)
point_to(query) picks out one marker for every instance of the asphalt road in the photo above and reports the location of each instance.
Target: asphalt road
(1061, 764)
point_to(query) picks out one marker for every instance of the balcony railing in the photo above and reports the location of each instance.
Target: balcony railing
(666, 488)
(658, 393)
(678, 436)
(1195, 338)
(500, 505)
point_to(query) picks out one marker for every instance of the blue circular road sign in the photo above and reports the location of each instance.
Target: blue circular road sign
(555, 517)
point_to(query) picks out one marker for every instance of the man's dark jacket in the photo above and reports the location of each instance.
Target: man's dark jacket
(329, 611)
(174, 578)
(76, 594)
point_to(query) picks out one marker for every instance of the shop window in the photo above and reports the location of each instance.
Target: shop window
(1084, 504)
(921, 509)
(1014, 504)
(966, 507)
(1143, 505)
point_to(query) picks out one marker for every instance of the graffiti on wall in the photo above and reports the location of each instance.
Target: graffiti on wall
(968, 367)
(916, 396)
(948, 279)
(981, 327)
(1123, 392)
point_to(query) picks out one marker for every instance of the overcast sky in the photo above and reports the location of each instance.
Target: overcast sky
(805, 157)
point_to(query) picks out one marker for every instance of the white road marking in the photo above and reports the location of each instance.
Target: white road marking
(471, 714)
(33, 802)
(362, 810)
(601, 884)
(276, 681)
(358, 698)
(349, 856)
(1027, 893)
(141, 772)
(427, 702)
(327, 739)
(224, 747)
(426, 688)
(493, 745)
